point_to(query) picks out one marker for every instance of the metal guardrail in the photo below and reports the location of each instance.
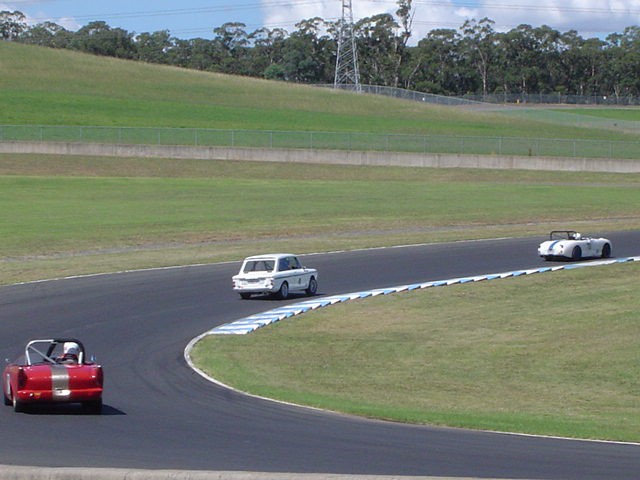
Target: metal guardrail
(349, 141)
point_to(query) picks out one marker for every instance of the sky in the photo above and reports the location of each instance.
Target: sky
(197, 18)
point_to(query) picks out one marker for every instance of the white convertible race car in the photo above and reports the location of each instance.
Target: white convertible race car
(276, 274)
(563, 244)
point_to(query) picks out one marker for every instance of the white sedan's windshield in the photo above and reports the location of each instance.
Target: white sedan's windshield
(258, 266)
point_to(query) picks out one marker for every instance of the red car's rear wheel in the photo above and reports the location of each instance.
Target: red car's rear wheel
(17, 405)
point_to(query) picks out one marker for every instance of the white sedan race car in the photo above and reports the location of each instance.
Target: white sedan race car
(567, 244)
(275, 274)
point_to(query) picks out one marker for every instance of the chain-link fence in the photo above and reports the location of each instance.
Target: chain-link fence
(407, 94)
(522, 106)
(432, 144)
(555, 98)
(495, 98)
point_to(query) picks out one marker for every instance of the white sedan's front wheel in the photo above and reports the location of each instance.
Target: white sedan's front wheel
(313, 287)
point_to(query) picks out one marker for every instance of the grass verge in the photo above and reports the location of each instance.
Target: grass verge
(550, 354)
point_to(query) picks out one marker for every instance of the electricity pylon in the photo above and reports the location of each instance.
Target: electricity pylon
(347, 73)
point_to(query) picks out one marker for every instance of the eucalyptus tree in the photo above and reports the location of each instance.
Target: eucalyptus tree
(179, 53)
(595, 66)
(203, 55)
(438, 56)
(100, 39)
(478, 46)
(584, 62)
(377, 49)
(266, 53)
(231, 44)
(308, 53)
(527, 60)
(12, 24)
(47, 34)
(153, 47)
(623, 62)
(402, 52)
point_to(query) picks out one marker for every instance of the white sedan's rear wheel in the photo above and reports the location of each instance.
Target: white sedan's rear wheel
(284, 291)
(606, 251)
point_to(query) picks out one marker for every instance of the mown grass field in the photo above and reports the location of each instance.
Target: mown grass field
(74, 215)
(509, 355)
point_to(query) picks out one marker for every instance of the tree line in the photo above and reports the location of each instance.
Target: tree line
(473, 59)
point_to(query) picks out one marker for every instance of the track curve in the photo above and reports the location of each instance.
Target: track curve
(159, 414)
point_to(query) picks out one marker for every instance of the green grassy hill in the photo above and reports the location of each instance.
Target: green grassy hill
(42, 86)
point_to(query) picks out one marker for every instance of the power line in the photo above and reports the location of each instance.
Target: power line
(512, 6)
(231, 7)
(193, 11)
(509, 5)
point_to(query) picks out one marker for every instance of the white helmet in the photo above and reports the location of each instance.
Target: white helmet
(70, 348)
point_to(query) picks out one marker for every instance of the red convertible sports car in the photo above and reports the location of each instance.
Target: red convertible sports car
(53, 371)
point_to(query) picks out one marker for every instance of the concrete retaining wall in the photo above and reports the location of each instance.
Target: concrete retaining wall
(337, 157)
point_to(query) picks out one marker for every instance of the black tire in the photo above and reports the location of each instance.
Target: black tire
(284, 291)
(313, 287)
(576, 254)
(17, 406)
(606, 251)
(245, 296)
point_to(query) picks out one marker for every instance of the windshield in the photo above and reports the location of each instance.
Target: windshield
(49, 351)
(258, 266)
(563, 235)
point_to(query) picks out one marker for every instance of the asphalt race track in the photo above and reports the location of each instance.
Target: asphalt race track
(159, 414)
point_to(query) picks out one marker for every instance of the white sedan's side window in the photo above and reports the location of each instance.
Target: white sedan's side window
(283, 264)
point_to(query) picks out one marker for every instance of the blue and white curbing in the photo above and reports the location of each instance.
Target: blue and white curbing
(253, 322)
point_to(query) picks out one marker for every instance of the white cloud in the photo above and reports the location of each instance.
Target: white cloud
(444, 14)
(69, 23)
(590, 18)
(35, 18)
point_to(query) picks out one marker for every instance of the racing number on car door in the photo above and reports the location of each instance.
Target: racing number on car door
(295, 270)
